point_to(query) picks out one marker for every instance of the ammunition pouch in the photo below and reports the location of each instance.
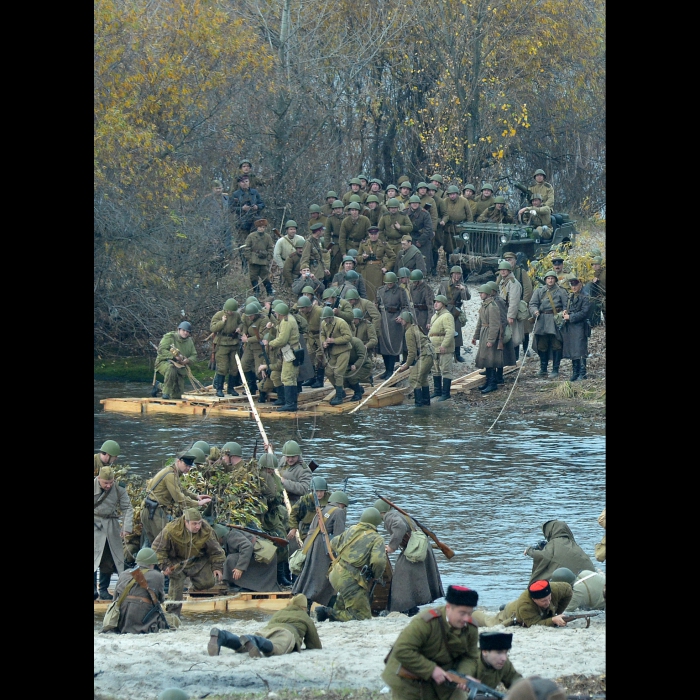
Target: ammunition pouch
(298, 357)
(150, 506)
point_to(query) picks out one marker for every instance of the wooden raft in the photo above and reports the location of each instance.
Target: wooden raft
(473, 380)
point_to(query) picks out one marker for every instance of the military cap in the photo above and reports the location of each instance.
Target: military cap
(372, 198)
(539, 172)
(372, 516)
(202, 445)
(357, 313)
(504, 265)
(486, 186)
(260, 223)
(453, 189)
(106, 474)
(539, 589)
(244, 161)
(406, 238)
(354, 205)
(382, 506)
(111, 448)
(187, 455)
(404, 272)
(406, 316)
(551, 273)
(557, 259)
(535, 196)
(317, 226)
(509, 254)
(414, 198)
(574, 281)
(469, 187)
(192, 514)
(330, 193)
(461, 595)
(314, 208)
(390, 277)
(597, 260)
(303, 302)
(299, 241)
(455, 269)
(499, 200)
(327, 312)
(186, 326)
(495, 641)
(337, 204)
(339, 497)
(437, 177)
(232, 448)
(291, 224)
(354, 181)
(415, 275)
(307, 290)
(230, 305)
(146, 555)
(372, 229)
(484, 289)
(441, 298)
(217, 183)
(407, 184)
(393, 202)
(563, 574)
(422, 184)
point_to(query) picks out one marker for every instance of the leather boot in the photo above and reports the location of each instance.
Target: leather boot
(281, 575)
(104, 585)
(543, 367)
(458, 355)
(290, 399)
(262, 396)
(583, 374)
(418, 397)
(526, 342)
(446, 384)
(359, 391)
(425, 390)
(279, 390)
(219, 385)
(487, 372)
(517, 353)
(95, 594)
(389, 362)
(231, 383)
(318, 380)
(323, 612)
(575, 370)
(556, 360)
(252, 382)
(256, 645)
(312, 380)
(221, 638)
(300, 387)
(437, 383)
(491, 382)
(499, 376)
(268, 288)
(339, 396)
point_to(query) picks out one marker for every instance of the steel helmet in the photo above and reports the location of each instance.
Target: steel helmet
(252, 309)
(299, 242)
(337, 204)
(563, 574)
(348, 258)
(372, 516)
(339, 497)
(318, 483)
(372, 198)
(146, 555)
(422, 184)
(535, 196)
(539, 172)
(354, 181)
(327, 312)
(453, 188)
(415, 275)
(307, 290)
(186, 326)
(504, 265)
(492, 285)
(358, 313)
(414, 198)
(282, 309)
(199, 456)
(455, 268)
(328, 292)
(551, 273)
(437, 177)
(354, 205)
(111, 448)
(314, 208)
(352, 253)
(363, 177)
(377, 180)
(291, 448)
(382, 506)
(251, 300)
(303, 302)
(352, 293)
(232, 448)
(487, 186)
(469, 187)
(355, 198)
(499, 200)
(204, 446)
(404, 272)
(352, 275)
(390, 277)
(268, 461)
(406, 316)
(407, 184)
(231, 305)
(441, 298)
(391, 187)
(291, 224)
(484, 289)
(432, 186)
(393, 202)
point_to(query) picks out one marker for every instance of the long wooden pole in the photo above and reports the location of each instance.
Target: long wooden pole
(268, 447)
(364, 401)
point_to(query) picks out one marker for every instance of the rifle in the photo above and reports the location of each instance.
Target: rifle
(262, 347)
(339, 296)
(212, 357)
(278, 541)
(455, 679)
(449, 553)
(138, 576)
(255, 449)
(587, 615)
(322, 527)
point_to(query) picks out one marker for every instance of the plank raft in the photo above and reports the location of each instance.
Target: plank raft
(473, 380)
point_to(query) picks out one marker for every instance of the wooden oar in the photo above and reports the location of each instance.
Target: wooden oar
(359, 405)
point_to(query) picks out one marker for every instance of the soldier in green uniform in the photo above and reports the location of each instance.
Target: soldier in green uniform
(484, 200)
(226, 324)
(270, 374)
(489, 333)
(314, 256)
(469, 193)
(457, 293)
(375, 258)
(588, 588)
(375, 209)
(106, 456)
(188, 547)
(394, 225)
(295, 474)
(341, 307)
(259, 247)
(455, 210)
(304, 510)
(176, 350)
(441, 333)
(427, 198)
(292, 265)
(348, 278)
(410, 257)
(546, 305)
(327, 208)
(287, 341)
(332, 235)
(364, 330)
(357, 547)
(312, 313)
(252, 331)
(435, 641)
(359, 369)
(316, 216)
(419, 357)
(596, 290)
(391, 301)
(405, 192)
(334, 338)
(369, 310)
(423, 299)
(497, 213)
(541, 187)
(526, 284)
(354, 228)
(439, 184)
(246, 168)
(285, 245)
(538, 216)
(493, 665)
(355, 188)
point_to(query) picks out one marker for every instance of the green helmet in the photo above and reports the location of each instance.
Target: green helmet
(415, 275)
(563, 574)
(372, 516)
(414, 198)
(327, 312)
(303, 302)
(354, 181)
(330, 193)
(492, 285)
(231, 305)
(469, 187)
(314, 208)
(337, 204)
(363, 177)
(299, 241)
(252, 309)
(348, 258)
(354, 205)
(111, 448)
(406, 316)
(186, 325)
(486, 186)
(597, 261)
(328, 292)
(318, 483)
(282, 309)
(596, 251)
(291, 448)
(453, 188)
(539, 172)
(221, 531)
(307, 290)
(352, 253)
(357, 313)
(352, 293)
(176, 693)
(355, 198)
(204, 446)
(485, 289)
(504, 265)
(535, 196)
(199, 456)
(372, 198)
(441, 298)
(382, 506)
(551, 273)
(352, 275)
(377, 180)
(291, 224)
(391, 187)
(232, 448)
(146, 556)
(407, 184)
(268, 460)
(437, 177)
(339, 497)
(393, 202)
(432, 186)
(404, 272)
(251, 300)
(422, 184)
(455, 268)
(390, 277)
(499, 200)
(244, 161)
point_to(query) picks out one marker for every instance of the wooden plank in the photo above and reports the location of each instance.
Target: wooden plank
(122, 405)
(474, 379)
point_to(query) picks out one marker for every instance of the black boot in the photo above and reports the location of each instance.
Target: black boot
(104, 585)
(231, 383)
(425, 390)
(300, 387)
(583, 374)
(290, 399)
(359, 391)
(339, 396)
(491, 383)
(575, 370)
(281, 575)
(268, 288)
(312, 380)
(219, 385)
(318, 380)
(487, 372)
(556, 360)
(458, 355)
(418, 396)
(446, 384)
(256, 645)
(526, 342)
(279, 390)
(437, 382)
(323, 612)
(252, 382)
(389, 362)
(543, 367)
(517, 353)
(262, 396)
(94, 586)
(499, 376)
(221, 638)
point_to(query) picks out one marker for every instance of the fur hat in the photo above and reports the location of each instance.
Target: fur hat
(539, 589)
(489, 641)
(461, 595)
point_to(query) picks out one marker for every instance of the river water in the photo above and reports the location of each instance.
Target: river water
(486, 495)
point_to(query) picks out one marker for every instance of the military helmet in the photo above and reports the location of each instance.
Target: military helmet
(407, 184)
(282, 309)
(269, 461)
(355, 198)
(314, 208)
(469, 187)
(327, 312)
(362, 176)
(551, 273)
(492, 285)
(406, 316)
(244, 161)
(315, 227)
(291, 224)
(371, 515)
(328, 292)
(204, 446)
(437, 177)
(252, 309)
(232, 448)
(504, 265)
(330, 193)
(534, 196)
(251, 300)
(146, 556)
(453, 188)
(432, 186)
(499, 200)
(352, 253)
(539, 172)
(303, 302)
(372, 198)
(486, 186)
(299, 241)
(597, 260)
(354, 205)
(596, 251)
(318, 483)
(111, 448)
(404, 272)
(352, 275)
(186, 326)
(291, 448)
(231, 305)
(354, 181)
(563, 574)
(393, 202)
(441, 298)
(352, 293)
(199, 456)
(415, 275)
(382, 506)
(357, 313)
(414, 198)
(339, 497)
(391, 187)
(348, 258)
(390, 277)
(455, 268)
(485, 289)
(422, 184)
(337, 204)
(308, 290)
(217, 183)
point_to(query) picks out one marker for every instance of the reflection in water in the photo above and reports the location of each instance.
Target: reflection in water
(486, 495)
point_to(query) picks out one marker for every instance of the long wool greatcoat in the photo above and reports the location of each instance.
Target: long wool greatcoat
(454, 297)
(511, 292)
(106, 529)
(423, 300)
(238, 546)
(391, 301)
(561, 550)
(488, 330)
(576, 330)
(540, 302)
(137, 602)
(412, 584)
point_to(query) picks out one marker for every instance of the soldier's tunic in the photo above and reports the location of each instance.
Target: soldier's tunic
(312, 282)
(321, 219)
(490, 676)
(296, 479)
(238, 547)
(108, 552)
(426, 642)
(288, 334)
(453, 213)
(561, 550)
(577, 329)
(244, 219)
(488, 330)
(411, 259)
(342, 309)
(379, 255)
(315, 258)
(337, 354)
(493, 215)
(596, 291)
(274, 373)
(389, 233)
(252, 351)
(542, 217)
(137, 602)
(356, 547)
(376, 213)
(306, 369)
(344, 285)
(413, 583)
(313, 316)
(455, 297)
(360, 359)
(511, 292)
(547, 334)
(419, 357)
(352, 232)
(391, 301)
(97, 464)
(332, 236)
(304, 511)
(313, 579)
(442, 334)
(258, 253)
(526, 283)
(228, 340)
(283, 249)
(482, 204)
(471, 201)
(423, 300)
(365, 333)
(360, 193)
(588, 592)
(508, 348)
(291, 269)
(422, 234)
(371, 313)
(174, 377)
(546, 191)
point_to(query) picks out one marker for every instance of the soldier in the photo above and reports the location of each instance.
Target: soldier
(506, 334)
(313, 579)
(242, 571)
(106, 456)
(493, 665)
(419, 358)
(484, 200)
(285, 245)
(357, 547)
(364, 331)
(287, 341)
(355, 188)
(538, 216)
(588, 588)
(394, 225)
(511, 291)
(359, 368)
(422, 233)
(392, 192)
(327, 208)
(576, 329)
(601, 548)
(403, 274)
(376, 257)
(541, 187)
(526, 284)
(316, 216)
(454, 210)
(428, 202)
(564, 277)
(270, 373)
(409, 257)
(405, 192)
(188, 547)
(441, 333)
(259, 247)
(436, 640)
(375, 210)
(314, 256)
(469, 193)
(176, 350)
(252, 331)
(344, 280)
(303, 510)
(246, 168)
(341, 307)
(332, 236)
(226, 324)
(217, 213)
(423, 299)
(353, 229)
(545, 306)
(497, 213)
(438, 184)
(284, 633)
(457, 293)
(375, 188)
(312, 314)
(596, 290)
(391, 301)
(110, 505)
(335, 338)
(247, 204)
(295, 475)
(292, 265)
(489, 332)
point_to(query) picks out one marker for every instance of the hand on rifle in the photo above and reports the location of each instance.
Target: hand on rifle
(262, 370)
(439, 676)
(558, 621)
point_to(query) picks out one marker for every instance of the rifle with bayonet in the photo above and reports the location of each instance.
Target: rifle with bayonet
(322, 527)
(278, 541)
(580, 616)
(138, 576)
(447, 551)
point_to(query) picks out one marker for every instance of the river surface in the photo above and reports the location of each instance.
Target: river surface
(485, 494)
